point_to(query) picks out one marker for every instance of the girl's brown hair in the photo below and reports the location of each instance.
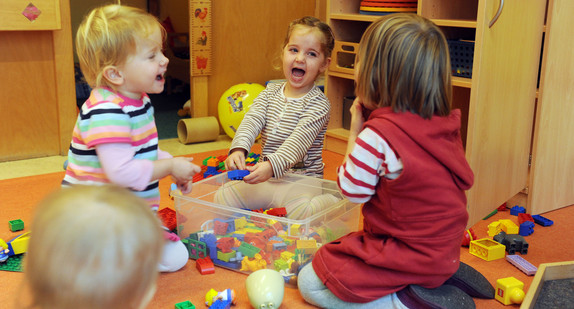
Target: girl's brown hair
(327, 40)
(403, 62)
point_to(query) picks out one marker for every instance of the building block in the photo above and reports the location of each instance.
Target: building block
(513, 243)
(526, 228)
(237, 174)
(205, 266)
(278, 211)
(487, 249)
(502, 225)
(168, 217)
(16, 225)
(196, 249)
(509, 291)
(184, 305)
(13, 263)
(515, 210)
(538, 219)
(307, 246)
(522, 264)
(524, 217)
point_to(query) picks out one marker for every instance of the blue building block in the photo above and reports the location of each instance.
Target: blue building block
(538, 219)
(232, 265)
(517, 210)
(237, 174)
(210, 241)
(526, 228)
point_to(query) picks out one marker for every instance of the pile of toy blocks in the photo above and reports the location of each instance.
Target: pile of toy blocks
(250, 243)
(216, 165)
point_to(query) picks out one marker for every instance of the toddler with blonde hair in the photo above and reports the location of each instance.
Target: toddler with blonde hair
(93, 247)
(115, 138)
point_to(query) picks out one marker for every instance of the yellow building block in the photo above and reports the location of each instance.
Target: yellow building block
(508, 226)
(509, 291)
(240, 223)
(494, 228)
(294, 229)
(308, 246)
(505, 225)
(487, 249)
(286, 255)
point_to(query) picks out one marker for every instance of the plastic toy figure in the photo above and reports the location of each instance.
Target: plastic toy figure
(227, 295)
(4, 254)
(265, 289)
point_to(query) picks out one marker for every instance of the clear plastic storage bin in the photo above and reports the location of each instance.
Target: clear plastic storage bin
(222, 219)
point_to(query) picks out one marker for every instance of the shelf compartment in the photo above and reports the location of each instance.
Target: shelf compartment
(343, 59)
(449, 10)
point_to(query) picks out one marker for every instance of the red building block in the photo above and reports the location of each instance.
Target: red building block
(523, 217)
(205, 266)
(168, 217)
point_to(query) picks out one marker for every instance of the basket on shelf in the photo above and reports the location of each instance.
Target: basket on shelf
(461, 57)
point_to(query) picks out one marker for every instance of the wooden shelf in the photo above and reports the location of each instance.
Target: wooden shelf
(460, 23)
(355, 17)
(461, 82)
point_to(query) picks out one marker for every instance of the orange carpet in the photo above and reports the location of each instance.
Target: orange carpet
(20, 195)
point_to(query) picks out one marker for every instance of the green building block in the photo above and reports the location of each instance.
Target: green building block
(16, 225)
(248, 249)
(184, 305)
(225, 256)
(13, 263)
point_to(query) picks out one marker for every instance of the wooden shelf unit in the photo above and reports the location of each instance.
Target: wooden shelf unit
(497, 103)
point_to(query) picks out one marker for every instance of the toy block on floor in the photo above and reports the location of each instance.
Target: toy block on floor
(538, 219)
(487, 249)
(185, 305)
(517, 210)
(513, 242)
(205, 266)
(16, 225)
(522, 264)
(526, 228)
(509, 291)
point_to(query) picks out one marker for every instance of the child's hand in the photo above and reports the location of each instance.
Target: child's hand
(235, 161)
(183, 170)
(357, 118)
(260, 172)
(185, 187)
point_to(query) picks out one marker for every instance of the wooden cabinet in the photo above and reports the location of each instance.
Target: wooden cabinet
(38, 99)
(27, 16)
(498, 102)
(552, 170)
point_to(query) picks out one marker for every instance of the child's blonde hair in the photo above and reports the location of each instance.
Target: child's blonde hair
(327, 37)
(93, 247)
(108, 35)
(403, 62)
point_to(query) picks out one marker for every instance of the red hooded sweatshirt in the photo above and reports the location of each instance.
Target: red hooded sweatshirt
(412, 225)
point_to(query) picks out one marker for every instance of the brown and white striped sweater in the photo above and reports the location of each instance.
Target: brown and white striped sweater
(292, 130)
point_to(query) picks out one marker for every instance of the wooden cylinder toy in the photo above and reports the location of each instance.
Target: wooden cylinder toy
(196, 130)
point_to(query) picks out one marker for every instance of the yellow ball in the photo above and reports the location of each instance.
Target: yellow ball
(234, 103)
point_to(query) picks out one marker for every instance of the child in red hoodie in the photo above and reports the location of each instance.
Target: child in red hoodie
(406, 163)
